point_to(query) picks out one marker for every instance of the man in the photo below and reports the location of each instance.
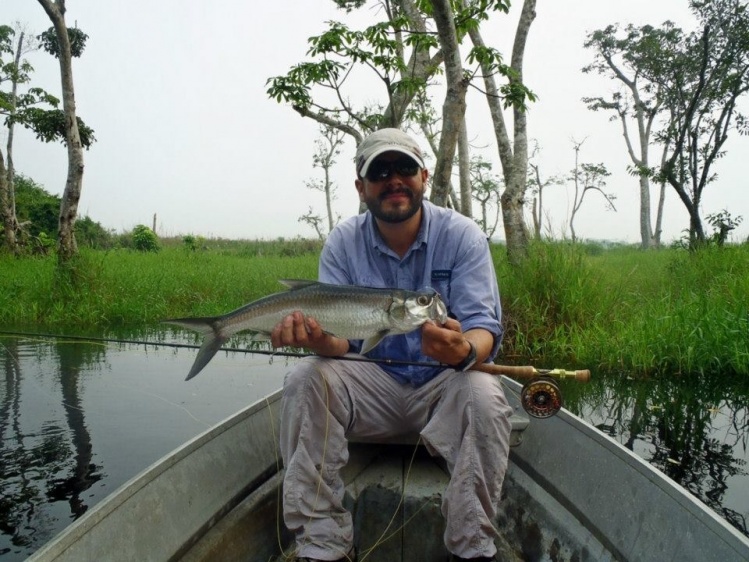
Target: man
(461, 414)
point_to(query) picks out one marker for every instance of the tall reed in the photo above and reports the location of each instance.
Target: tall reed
(126, 288)
(619, 310)
(629, 310)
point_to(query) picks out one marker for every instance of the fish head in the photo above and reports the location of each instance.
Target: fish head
(421, 307)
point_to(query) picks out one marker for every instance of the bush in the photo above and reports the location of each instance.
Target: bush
(92, 234)
(194, 243)
(145, 239)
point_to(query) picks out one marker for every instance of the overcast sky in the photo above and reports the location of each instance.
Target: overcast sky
(175, 91)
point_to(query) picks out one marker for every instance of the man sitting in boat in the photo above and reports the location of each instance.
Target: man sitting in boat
(461, 414)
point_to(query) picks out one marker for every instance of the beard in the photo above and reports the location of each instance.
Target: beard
(389, 213)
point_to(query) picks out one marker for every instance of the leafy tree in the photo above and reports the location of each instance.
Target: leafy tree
(513, 154)
(722, 223)
(38, 211)
(92, 234)
(586, 178)
(14, 71)
(315, 221)
(34, 109)
(64, 49)
(696, 79)
(537, 185)
(404, 56)
(702, 82)
(397, 52)
(327, 149)
(194, 243)
(621, 57)
(487, 189)
(37, 208)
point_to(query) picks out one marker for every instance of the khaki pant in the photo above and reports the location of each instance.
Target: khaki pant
(462, 417)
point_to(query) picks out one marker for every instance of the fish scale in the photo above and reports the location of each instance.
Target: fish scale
(345, 311)
(347, 315)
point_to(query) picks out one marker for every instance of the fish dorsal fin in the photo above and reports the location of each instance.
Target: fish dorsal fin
(297, 283)
(370, 343)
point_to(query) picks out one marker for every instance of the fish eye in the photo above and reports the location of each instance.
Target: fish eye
(423, 300)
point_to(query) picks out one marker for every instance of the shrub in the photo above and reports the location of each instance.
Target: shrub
(145, 239)
(194, 243)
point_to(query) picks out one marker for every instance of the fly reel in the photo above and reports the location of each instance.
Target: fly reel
(541, 397)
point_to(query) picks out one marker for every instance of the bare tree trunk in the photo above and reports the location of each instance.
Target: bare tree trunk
(661, 203)
(7, 185)
(538, 205)
(644, 121)
(420, 66)
(513, 156)
(659, 217)
(464, 165)
(430, 136)
(576, 179)
(9, 222)
(453, 110)
(67, 247)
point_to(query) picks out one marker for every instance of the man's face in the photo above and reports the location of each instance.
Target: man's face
(393, 188)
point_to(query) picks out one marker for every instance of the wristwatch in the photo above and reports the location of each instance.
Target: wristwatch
(469, 361)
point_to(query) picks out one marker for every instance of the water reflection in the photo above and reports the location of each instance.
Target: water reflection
(692, 428)
(78, 419)
(83, 473)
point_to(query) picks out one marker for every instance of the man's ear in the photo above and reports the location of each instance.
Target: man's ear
(360, 188)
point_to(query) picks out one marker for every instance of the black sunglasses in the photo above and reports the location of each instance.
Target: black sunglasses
(380, 170)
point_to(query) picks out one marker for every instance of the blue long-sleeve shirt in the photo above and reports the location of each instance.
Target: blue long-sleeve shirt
(450, 254)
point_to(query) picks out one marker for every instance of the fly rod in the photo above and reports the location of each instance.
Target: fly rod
(512, 371)
(541, 395)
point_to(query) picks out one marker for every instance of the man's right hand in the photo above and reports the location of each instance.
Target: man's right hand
(294, 330)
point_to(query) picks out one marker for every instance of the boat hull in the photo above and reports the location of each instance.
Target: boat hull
(571, 493)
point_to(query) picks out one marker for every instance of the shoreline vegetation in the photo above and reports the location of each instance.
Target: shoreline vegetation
(620, 310)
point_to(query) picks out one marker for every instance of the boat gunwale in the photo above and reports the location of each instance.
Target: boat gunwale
(700, 512)
(118, 497)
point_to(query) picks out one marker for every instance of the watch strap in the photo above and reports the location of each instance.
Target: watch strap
(469, 361)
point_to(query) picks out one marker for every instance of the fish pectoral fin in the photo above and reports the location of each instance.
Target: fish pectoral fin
(211, 344)
(371, 342)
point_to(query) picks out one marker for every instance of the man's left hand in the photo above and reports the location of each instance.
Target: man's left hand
(445, 343)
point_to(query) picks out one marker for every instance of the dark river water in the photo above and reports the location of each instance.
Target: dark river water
(78, 419)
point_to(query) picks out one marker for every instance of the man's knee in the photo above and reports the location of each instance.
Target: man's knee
(486, 395)
(308, 372)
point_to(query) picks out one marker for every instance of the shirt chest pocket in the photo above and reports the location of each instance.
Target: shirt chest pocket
(440, 282)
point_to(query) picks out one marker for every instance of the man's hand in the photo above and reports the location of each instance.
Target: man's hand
(445, 343)
(295, 330)
(448, 344)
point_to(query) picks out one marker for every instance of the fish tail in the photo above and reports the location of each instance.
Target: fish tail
(213, 339)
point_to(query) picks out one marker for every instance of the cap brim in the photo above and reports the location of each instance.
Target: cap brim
(389, 148)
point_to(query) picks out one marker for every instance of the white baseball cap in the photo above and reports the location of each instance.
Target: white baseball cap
(386, 140)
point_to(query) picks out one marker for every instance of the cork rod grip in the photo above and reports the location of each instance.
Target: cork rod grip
(528, 372)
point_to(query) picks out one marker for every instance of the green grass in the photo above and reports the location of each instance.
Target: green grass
(123, 288)
(619, 310)
(631, 311)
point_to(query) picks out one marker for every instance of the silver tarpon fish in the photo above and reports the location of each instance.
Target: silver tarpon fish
(345, 311)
